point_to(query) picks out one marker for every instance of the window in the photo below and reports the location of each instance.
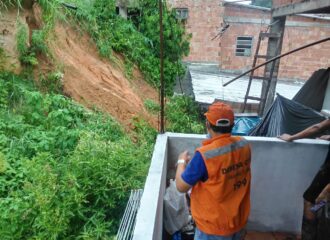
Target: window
(181, 13)
(244, 46)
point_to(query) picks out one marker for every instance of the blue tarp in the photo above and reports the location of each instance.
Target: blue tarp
(243, 125)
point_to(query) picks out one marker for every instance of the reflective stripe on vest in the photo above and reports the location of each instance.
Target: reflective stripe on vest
(225, 149)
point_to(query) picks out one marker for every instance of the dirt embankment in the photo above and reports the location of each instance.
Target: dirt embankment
(8, 30)
(93, 81)
(89, 79)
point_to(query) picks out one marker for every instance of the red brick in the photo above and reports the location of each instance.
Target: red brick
(205, 20)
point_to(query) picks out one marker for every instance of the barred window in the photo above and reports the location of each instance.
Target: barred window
(244, 46)
(181, 13)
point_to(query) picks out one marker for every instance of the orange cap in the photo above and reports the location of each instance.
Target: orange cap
(220, 114)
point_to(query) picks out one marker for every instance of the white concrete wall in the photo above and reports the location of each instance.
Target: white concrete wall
(149, 219)
(280, 173)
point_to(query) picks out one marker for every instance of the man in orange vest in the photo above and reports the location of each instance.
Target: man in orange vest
(219, 174)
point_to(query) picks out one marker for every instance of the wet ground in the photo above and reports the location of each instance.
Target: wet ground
(208, 85)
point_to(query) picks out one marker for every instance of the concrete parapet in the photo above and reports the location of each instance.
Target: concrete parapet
(281, 172)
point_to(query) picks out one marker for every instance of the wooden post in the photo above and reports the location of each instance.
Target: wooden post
(277, 26)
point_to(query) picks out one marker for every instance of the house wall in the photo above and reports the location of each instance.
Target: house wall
(245, 21)
(298, 31)
(203, 24)
(237, 18)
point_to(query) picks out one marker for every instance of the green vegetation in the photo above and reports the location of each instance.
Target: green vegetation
(5, 4)
(136, 40)
(26, 55)
(139, 44)
(3, 58)
(182, 115)
(38, 42)
(152, 106)
(65, 172)
(52, 82)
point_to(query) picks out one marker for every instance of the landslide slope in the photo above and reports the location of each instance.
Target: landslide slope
(88, 79)
(91, 80)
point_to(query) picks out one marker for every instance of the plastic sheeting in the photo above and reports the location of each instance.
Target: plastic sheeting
(176, 211)
(244, 125)
(286, 116)
(313, 92)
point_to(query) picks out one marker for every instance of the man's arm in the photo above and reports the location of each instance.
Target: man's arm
(308, 132)
(181, 185)
(324, 195)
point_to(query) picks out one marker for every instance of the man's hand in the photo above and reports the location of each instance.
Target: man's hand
(324, 195)
(286, 137)
(185, 156)
(181, 185)
(325, 137)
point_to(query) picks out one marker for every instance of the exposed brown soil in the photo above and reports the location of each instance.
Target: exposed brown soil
(88, 79)
(93, 81)
(8, 31)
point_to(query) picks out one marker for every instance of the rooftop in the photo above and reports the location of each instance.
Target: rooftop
(316, 16)
(208, 86)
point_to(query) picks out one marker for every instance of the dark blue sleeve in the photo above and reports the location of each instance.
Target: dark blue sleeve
(195, 170)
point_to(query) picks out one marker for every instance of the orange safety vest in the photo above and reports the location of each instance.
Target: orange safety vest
(221, 204)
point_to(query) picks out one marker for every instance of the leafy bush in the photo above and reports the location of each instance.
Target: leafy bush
(52, 82)
(26, 55)
(65, 172)
(22, 39)
(38, 42)
(128, 69)
(181, 113)
(183, 116)
(151, 106)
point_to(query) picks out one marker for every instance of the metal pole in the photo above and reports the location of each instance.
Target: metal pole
(162, 90)
(277, 57)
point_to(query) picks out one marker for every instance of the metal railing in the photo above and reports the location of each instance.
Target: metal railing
(127, 224)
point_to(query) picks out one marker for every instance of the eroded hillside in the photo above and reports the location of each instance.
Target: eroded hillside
(87, 78)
